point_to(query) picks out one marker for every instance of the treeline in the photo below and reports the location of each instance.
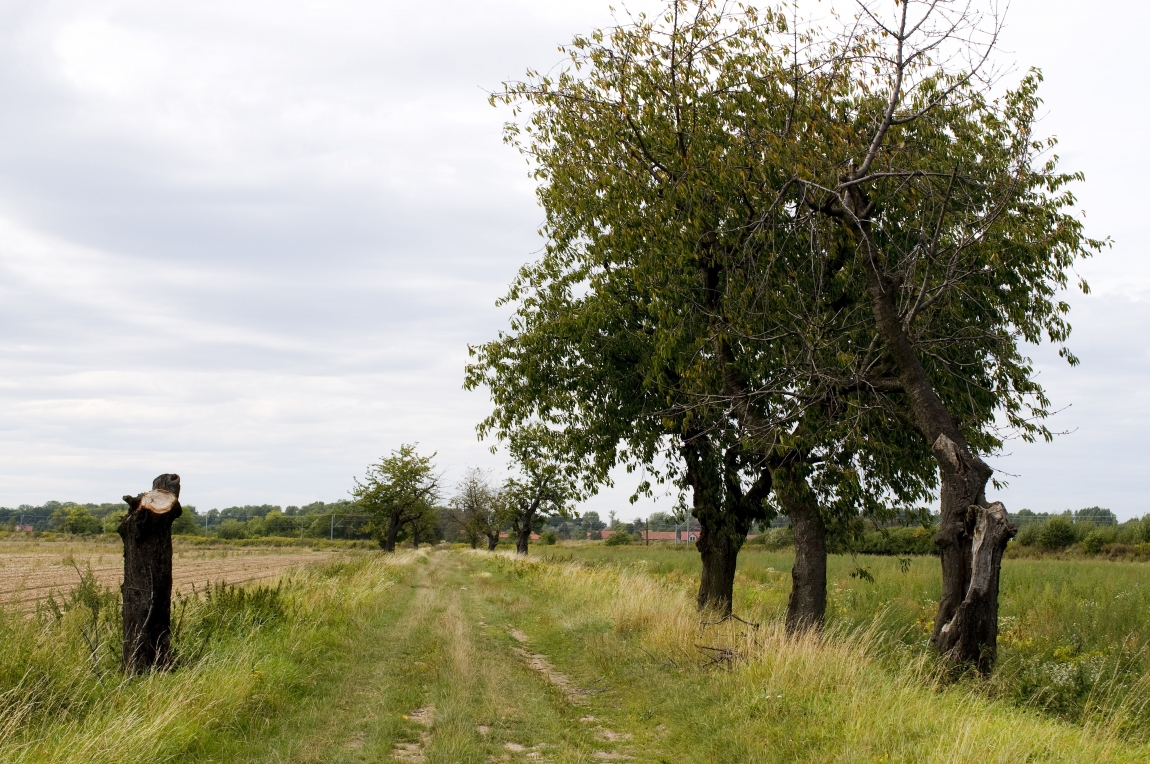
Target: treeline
(339, 519)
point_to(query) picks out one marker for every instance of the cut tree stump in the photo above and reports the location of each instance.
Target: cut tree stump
(147, 589)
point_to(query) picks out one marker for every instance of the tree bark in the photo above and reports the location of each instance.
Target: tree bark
(492, 541)
(807, 607)
(725, 514)
(719, 549)
(147, 588)
(963, 507)
(393, 526)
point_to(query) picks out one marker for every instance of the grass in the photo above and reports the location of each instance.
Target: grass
(1074, 639)
(578, 654)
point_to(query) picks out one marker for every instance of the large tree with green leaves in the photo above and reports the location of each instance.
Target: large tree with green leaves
(936, 198)
(399, 491)
(638, 323)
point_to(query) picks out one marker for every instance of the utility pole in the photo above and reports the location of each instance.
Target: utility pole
(648, 531)
(332, 527)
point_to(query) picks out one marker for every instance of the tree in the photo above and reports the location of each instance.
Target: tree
(475, 509)
(74, 519)
(543, 483)
(639, 331)
(952, 215)
(398, 490)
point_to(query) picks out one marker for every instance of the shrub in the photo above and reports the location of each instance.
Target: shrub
(619, 538)
(775, 538)
(1057, 533)
(1093, 542)
(232, 529)
(548, 538)
(898, 542)
(1028, 535)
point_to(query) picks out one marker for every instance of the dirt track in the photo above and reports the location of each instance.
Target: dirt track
(29, 573)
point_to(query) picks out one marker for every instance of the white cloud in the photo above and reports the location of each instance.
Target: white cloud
(249, 241)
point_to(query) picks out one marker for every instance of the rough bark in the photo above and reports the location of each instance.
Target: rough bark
(719, 550)
(725, 514)
(523, 535)
(147, 588)
(395, 522)
(492, 541)
(963, 477)
(807, 607)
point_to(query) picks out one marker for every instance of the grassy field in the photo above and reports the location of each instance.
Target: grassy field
(1075, 638)
(581, 654)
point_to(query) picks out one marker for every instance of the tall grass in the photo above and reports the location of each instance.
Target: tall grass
(844, 690)
(1075, 633)
(240, 655)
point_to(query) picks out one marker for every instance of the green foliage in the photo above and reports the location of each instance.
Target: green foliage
(619, 538)
(548, 538)
(74, 519)
(187, 524)
(232, 529)
(899, 542)
(1057, 533)
(1093, 542)
(401, 489)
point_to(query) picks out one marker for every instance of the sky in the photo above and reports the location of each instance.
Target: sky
(250, 242)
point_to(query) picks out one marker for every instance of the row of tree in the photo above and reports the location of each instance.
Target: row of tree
(791, 268)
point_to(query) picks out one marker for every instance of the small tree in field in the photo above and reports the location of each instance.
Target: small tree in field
(475, 507)
(399, 490)
(544, 483)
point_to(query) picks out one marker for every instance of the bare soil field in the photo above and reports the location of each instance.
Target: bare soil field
(30, 570)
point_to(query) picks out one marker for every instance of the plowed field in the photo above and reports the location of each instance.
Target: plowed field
(28, 572)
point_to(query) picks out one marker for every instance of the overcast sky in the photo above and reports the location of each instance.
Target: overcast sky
(250, 241)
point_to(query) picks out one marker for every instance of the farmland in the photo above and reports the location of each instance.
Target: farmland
(582, 653)
(30, 571)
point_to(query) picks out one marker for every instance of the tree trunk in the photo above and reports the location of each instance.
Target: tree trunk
(147, 588)
(725, 514)
(393, 526)
(522, 537)
(492, 541)
(960, 629)
(972, 537)
(807, 607)
(719, 549)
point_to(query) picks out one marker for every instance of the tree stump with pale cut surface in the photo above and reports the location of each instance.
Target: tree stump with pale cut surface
(147, 589)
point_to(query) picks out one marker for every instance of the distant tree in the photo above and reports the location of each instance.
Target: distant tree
(592, 522)
(1096, 515)
(474, 507)
(1057, 533)
(398, 490)
(278, 524)
(232, 529)
(543, 484)
(188, 523)
(74, 519)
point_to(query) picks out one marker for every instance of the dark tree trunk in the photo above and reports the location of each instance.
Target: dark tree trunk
(719, 550)
(393, 526)
(969, 575)
(725, 514)
(492, 541)
(972, 537)
(147, 588)
(807, 607)
(523, 536)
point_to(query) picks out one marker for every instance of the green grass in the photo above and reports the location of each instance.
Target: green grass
(577, 654)
(1075, 634)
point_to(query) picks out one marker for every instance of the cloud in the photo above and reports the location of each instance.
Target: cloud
(250, 242)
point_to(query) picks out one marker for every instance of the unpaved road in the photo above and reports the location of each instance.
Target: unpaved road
(28, 572)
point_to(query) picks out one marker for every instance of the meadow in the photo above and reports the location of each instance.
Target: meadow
(582, 653)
